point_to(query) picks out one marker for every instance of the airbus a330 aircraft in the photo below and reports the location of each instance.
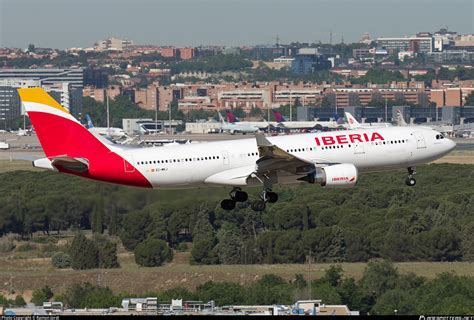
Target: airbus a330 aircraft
(331, 159)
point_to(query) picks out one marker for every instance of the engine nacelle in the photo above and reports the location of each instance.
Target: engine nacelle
(342, 175)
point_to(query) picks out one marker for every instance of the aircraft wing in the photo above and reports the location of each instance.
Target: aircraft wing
(272, 159)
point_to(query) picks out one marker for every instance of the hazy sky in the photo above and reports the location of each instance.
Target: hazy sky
(80, 23)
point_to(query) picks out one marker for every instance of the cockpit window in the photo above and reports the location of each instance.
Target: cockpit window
(439, 136)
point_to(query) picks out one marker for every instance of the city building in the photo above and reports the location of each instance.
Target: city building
(10, 105)
(415, 44)
(113, 44)
(68, 83)
(186, 53)
(309, 60)
(361, 53)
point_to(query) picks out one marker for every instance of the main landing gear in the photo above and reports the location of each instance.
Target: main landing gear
(236, 195)
(267, 195)
(410, 181)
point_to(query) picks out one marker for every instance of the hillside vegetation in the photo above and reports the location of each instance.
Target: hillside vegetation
(380, 217)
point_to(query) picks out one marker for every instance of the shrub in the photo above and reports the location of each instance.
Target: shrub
(41, 295)
(44, 240)
(182, 247)
(6, 246)
(49, 248)
(19, 301)
(61, 260)
(152, 253)
(25, 247)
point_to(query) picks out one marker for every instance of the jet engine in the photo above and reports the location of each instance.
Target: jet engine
(342, 175)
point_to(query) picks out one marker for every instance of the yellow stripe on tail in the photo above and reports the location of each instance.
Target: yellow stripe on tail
(38, 95)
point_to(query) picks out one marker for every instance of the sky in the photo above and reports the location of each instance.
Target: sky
(80, 23)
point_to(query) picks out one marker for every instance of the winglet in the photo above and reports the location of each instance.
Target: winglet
(262, 141)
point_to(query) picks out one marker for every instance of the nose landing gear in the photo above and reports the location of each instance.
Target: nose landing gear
(410, 180)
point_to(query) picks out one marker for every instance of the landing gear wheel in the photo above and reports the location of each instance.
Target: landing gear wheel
(258, 205)
(228, 204)
(241, 196)
(272, 197)
(410, 181)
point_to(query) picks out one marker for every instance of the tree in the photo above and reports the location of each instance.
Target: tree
(204, 241)
(31, 47)
(270, 289)
(396, 299)
(97, 217)
(83, 252)
(107, 252)
(88, 296)
(113, 225)
(229, 246)
(152, 253)
(333, 276)
(239, 112)
(136, 226)
(41, 295)
(223, 293)
(379, 277)
(19, 301)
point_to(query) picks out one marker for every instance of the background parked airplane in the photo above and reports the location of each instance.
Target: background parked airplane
(114, 133)
(237, 127)
(352, 123)
(261, 125)
(319, 125)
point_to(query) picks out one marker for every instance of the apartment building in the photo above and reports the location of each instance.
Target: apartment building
(415, 44)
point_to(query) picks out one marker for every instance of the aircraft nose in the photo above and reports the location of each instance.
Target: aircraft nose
(451, 144)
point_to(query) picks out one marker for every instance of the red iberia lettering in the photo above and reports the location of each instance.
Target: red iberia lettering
(328, 140)
(376, 136)
(350, 138)
(355, 137)
(341, 139)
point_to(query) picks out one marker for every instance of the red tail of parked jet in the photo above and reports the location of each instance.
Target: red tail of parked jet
(231, 118)
(278, 117)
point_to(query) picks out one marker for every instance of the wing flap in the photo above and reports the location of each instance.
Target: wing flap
(273, 158)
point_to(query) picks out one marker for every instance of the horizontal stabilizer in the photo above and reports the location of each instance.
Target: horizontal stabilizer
(80, 165)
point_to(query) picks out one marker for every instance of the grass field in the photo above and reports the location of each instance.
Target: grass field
(13, 165)
(22, 274)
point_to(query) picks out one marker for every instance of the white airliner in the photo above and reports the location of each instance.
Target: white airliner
(331, 159)
(237, 127)
(114, 133)
(352, 123)
(282, 123)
